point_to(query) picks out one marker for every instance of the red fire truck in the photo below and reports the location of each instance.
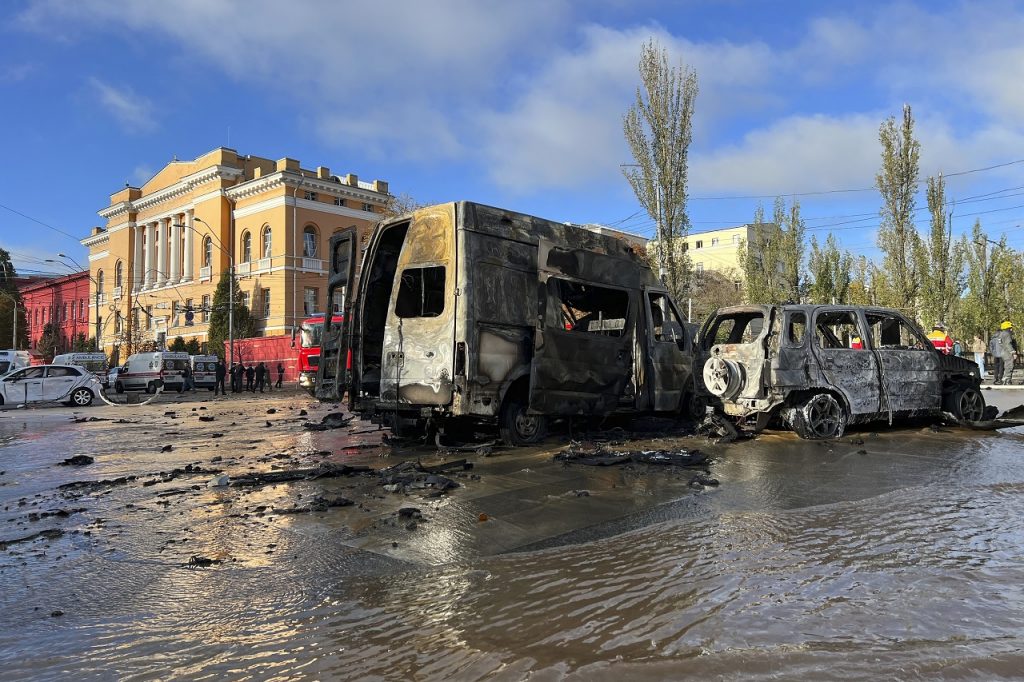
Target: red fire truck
(311, 331)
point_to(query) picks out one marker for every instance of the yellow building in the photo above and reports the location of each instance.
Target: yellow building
(719, 250)
(166, 244)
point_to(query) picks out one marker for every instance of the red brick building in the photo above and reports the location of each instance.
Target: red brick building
(61, 300)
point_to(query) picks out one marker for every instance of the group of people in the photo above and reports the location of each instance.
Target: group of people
(1001, 346)
(252, 378)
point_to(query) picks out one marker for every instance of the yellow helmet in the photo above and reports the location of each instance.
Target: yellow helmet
(1006, 325)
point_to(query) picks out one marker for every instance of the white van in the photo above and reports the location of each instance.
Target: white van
(146, 371)
(13, 359)
(204, 371)
(94, 362)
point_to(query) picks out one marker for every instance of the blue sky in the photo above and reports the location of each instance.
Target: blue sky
(514, 104)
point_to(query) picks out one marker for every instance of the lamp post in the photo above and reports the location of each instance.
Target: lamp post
(231, 284)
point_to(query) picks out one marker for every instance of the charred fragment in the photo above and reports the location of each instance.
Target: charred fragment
(819, 368)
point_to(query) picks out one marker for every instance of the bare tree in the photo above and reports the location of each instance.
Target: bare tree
(401, 204)
(658, 128)
(897, 182)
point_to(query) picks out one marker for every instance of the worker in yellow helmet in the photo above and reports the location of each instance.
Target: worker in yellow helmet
(1004, 351)
(940, 339)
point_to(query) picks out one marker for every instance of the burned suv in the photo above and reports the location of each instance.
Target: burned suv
(817, 368)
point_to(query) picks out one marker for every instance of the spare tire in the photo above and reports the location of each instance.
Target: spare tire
(723, 377)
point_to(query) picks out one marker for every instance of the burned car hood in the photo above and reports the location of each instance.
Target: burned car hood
(957, 365)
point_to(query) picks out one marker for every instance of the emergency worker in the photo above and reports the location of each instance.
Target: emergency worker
(1004, 349)
(940, 339)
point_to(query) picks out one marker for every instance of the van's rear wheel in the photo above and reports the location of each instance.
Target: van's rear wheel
(821, 417)
(151, 387)
(517, 426)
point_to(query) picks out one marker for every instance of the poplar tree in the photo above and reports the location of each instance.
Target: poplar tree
(658, 129)
(942, 274)
(831, 272)
(897, 237)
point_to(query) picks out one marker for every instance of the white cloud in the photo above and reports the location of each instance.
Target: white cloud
(141, 174)
(15, 73)
(133, 112)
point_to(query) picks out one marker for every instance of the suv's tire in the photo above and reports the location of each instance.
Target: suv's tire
(966, 404)
(820, 417)
(118, 387)
(81, 397)
(517, 426)
(723, 377)
(693, 406)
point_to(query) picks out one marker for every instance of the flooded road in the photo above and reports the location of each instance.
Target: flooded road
(896, 553)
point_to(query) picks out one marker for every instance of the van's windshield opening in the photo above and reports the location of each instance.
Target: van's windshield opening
(588, 308)
(736, 328)
(312, 334)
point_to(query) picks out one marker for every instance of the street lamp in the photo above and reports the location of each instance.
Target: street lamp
(231, 283)
(96, 338)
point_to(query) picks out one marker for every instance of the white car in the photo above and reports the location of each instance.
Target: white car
(49, 383)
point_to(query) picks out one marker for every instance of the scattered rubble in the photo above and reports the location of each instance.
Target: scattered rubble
(333, 420)
(602, 456)
(77, 460)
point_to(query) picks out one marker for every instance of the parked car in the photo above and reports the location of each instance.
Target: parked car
(49, 383)
(112, 375)
(818, 368)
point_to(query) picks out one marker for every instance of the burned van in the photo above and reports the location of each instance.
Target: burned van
(818, 368)
(469, 312)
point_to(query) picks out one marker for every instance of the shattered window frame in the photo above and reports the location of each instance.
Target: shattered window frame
(740, 333)
(658, 332)
(921, 342)
(421, 292)
(829, 321)
(794, 318)
(565, 295)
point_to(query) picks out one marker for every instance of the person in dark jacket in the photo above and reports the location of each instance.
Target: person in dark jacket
(261, 377)
(220, 371)
(280, 374)
(237, 371)
(250, 377)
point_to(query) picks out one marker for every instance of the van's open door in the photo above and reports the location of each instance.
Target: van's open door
(333, 374)
(582, 357)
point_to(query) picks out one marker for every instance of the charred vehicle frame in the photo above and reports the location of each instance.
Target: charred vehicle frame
(818, 368)
(469, 312)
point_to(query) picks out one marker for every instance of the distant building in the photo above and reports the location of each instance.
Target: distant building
(166, 244)
(62, 301)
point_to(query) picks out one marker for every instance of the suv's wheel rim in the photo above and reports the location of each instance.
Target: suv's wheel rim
(81, 397)
(824, 415)
(972, 405)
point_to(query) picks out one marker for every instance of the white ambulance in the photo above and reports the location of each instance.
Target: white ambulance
(94, 362)
(148, 371)
(11, 360)
(204, 371)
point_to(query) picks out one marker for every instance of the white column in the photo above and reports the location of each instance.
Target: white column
(161, 252)
(190, 232)
(175, 270)
(137, 263)
(150, 252)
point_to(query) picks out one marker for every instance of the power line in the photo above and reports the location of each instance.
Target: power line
(35, 220)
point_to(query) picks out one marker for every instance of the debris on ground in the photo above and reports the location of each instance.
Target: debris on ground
(167, 448)
(219, 481)
(82, 420)
(701, 480)
(410, 513)
(332, 420)
(317, 504)
(718, 429)
(408, 476)
(77, 461)
(602, 456)
(49, 534)
(308, 474)
(206, 417)
(196, 561)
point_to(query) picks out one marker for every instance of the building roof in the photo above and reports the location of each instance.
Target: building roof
(53, 282)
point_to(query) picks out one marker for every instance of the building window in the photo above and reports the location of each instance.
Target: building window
(246, 247)
(338, 201)
(311, 196)
(99, 282)
(206, 308)
(735, 239)
(714, 241)
(338, 302)
(207, 252)
(64, 312)
(81, 308)
(117, 324)
(699, 244)
(309, 302)
(266, 303)
(119, 275)
(267, 241)
(73, 318)
(246, 300)
(309, 240)
(700, 268)
(368, 208)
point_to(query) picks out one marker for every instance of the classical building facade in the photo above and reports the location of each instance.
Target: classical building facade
(61, 301)
(166, 244)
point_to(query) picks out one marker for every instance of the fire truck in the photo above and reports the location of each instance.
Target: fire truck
(311, 332)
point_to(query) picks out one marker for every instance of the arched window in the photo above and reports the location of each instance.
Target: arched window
(207, 252)
(267, 242)
(309, 241)
(119, 274)
(99, 282)
(246, 246)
